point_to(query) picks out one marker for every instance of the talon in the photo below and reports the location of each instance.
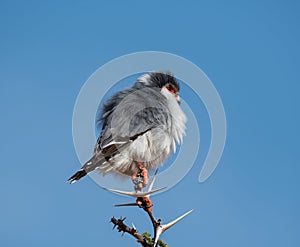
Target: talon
(141, 178)
(145, 203)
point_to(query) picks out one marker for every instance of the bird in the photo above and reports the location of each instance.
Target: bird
(141, 126)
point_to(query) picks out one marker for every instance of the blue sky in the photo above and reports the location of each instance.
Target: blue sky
(249, 49)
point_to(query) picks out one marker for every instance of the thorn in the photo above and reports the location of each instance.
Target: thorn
(126, 205)
(153, 181)
(113, 220)
(134, 193)
(160, 229)
(133, 226)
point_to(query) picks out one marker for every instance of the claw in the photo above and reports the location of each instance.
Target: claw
(141, 178)
(145, 203)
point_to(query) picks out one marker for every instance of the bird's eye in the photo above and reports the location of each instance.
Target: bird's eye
(170, 88)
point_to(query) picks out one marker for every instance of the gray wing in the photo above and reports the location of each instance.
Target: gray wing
(128, 114)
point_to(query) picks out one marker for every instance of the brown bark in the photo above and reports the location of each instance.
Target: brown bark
(124, 228)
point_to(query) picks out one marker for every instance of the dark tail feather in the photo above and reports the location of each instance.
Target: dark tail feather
(87, 168)
(78, 175)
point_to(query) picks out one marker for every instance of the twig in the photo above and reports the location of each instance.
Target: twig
(124, 228)
(144, 202)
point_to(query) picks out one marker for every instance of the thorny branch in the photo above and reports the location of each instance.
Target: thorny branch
(132, 231)
(143, 201)
(145, 242)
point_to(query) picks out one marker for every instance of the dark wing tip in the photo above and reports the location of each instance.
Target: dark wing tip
(78, 175)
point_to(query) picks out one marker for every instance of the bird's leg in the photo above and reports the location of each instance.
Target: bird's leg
(140, 180)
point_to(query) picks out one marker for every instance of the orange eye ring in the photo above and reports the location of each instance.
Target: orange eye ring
(171, 89)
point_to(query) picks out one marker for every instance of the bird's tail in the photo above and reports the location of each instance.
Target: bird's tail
(89, 166)
(78, 175)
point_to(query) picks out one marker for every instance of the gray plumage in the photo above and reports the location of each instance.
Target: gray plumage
(141, 124)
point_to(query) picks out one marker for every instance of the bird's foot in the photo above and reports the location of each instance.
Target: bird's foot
(141, 178)
(145, 203)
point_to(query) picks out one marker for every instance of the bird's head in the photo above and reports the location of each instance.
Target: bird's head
(165, 81)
